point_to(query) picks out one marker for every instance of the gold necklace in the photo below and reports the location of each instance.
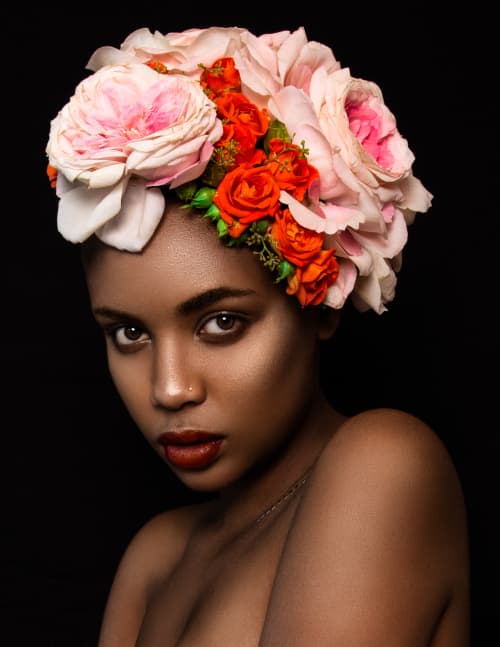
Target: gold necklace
(291, 490)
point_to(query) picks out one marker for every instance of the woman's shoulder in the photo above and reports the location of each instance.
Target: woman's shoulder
(389, 438)
(159, 543)
(149, 557)
(393, 452)
(387, 475)
(380, 536)
(168, 528)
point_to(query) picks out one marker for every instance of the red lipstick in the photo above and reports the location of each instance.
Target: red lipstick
(190, 449)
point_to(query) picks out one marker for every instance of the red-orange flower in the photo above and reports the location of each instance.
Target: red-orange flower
(221, 77)
(290, 168)
(235, 108)
(310, 283)
(158, 66)
(293, 242)
(244, 195)
(52, 175)
(236, 146)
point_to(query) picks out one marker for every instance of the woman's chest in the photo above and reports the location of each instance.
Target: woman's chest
(217, 595)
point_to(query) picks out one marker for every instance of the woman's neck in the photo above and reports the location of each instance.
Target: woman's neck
(266, 488)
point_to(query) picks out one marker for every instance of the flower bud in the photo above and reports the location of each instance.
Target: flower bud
(222, 228)
(213, 212)
(203, 198)
(261, 226)
(284, 270)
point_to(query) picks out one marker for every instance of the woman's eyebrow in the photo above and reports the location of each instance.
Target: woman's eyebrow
(110, 313)
(187, 307)
(209, 298)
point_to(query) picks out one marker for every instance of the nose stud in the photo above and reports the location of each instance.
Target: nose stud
(190, 388)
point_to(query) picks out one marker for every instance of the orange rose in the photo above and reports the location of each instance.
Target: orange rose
(310, 283)
(244, 195)
(221, 77)
(236, 146)
(290, 168)
(235, 108)
(293, 242)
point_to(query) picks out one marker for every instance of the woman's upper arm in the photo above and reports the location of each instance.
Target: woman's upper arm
(149, 555)
(379, 541)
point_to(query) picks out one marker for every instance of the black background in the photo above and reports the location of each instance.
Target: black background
(79, 479)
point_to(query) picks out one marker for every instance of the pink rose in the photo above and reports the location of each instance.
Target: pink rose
(377, 288)
(180, 51)
(374, 258)
(127, 123)
(354, 118)
(269, 62)
(305, 64)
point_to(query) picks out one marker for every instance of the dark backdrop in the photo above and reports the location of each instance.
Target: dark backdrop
(79, 479)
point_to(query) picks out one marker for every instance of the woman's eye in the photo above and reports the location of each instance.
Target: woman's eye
(128, 336)
(222, 325)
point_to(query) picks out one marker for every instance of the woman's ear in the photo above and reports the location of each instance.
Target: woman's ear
(328, 322)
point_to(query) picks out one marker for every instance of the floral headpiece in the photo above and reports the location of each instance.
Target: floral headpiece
(267, 135)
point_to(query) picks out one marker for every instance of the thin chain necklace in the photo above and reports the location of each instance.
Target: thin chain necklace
(284, 497)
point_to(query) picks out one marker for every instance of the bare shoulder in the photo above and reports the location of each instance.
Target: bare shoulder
(394, 443)
(159, 543)
(379, 542)
(150, 556)
(392, 463)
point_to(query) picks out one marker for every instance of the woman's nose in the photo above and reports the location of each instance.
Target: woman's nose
(175, 380)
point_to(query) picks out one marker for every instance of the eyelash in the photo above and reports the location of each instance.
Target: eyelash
(239, 323)
(122, 329)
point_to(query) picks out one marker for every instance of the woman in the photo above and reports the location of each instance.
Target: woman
(230, 193)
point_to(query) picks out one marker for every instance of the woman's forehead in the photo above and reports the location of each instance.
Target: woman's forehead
(184, 253)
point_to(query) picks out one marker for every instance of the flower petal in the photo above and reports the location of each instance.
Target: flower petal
(82, 211)
(387, 246)
(343, 285)
(141, 211)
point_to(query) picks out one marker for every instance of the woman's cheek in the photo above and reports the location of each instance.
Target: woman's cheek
(131, 379)
(278, 364)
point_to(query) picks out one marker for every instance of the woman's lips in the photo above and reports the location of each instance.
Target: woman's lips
(190, 449)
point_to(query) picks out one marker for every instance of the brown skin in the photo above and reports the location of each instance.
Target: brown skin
(370, 551)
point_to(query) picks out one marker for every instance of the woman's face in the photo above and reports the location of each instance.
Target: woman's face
(214, 362)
